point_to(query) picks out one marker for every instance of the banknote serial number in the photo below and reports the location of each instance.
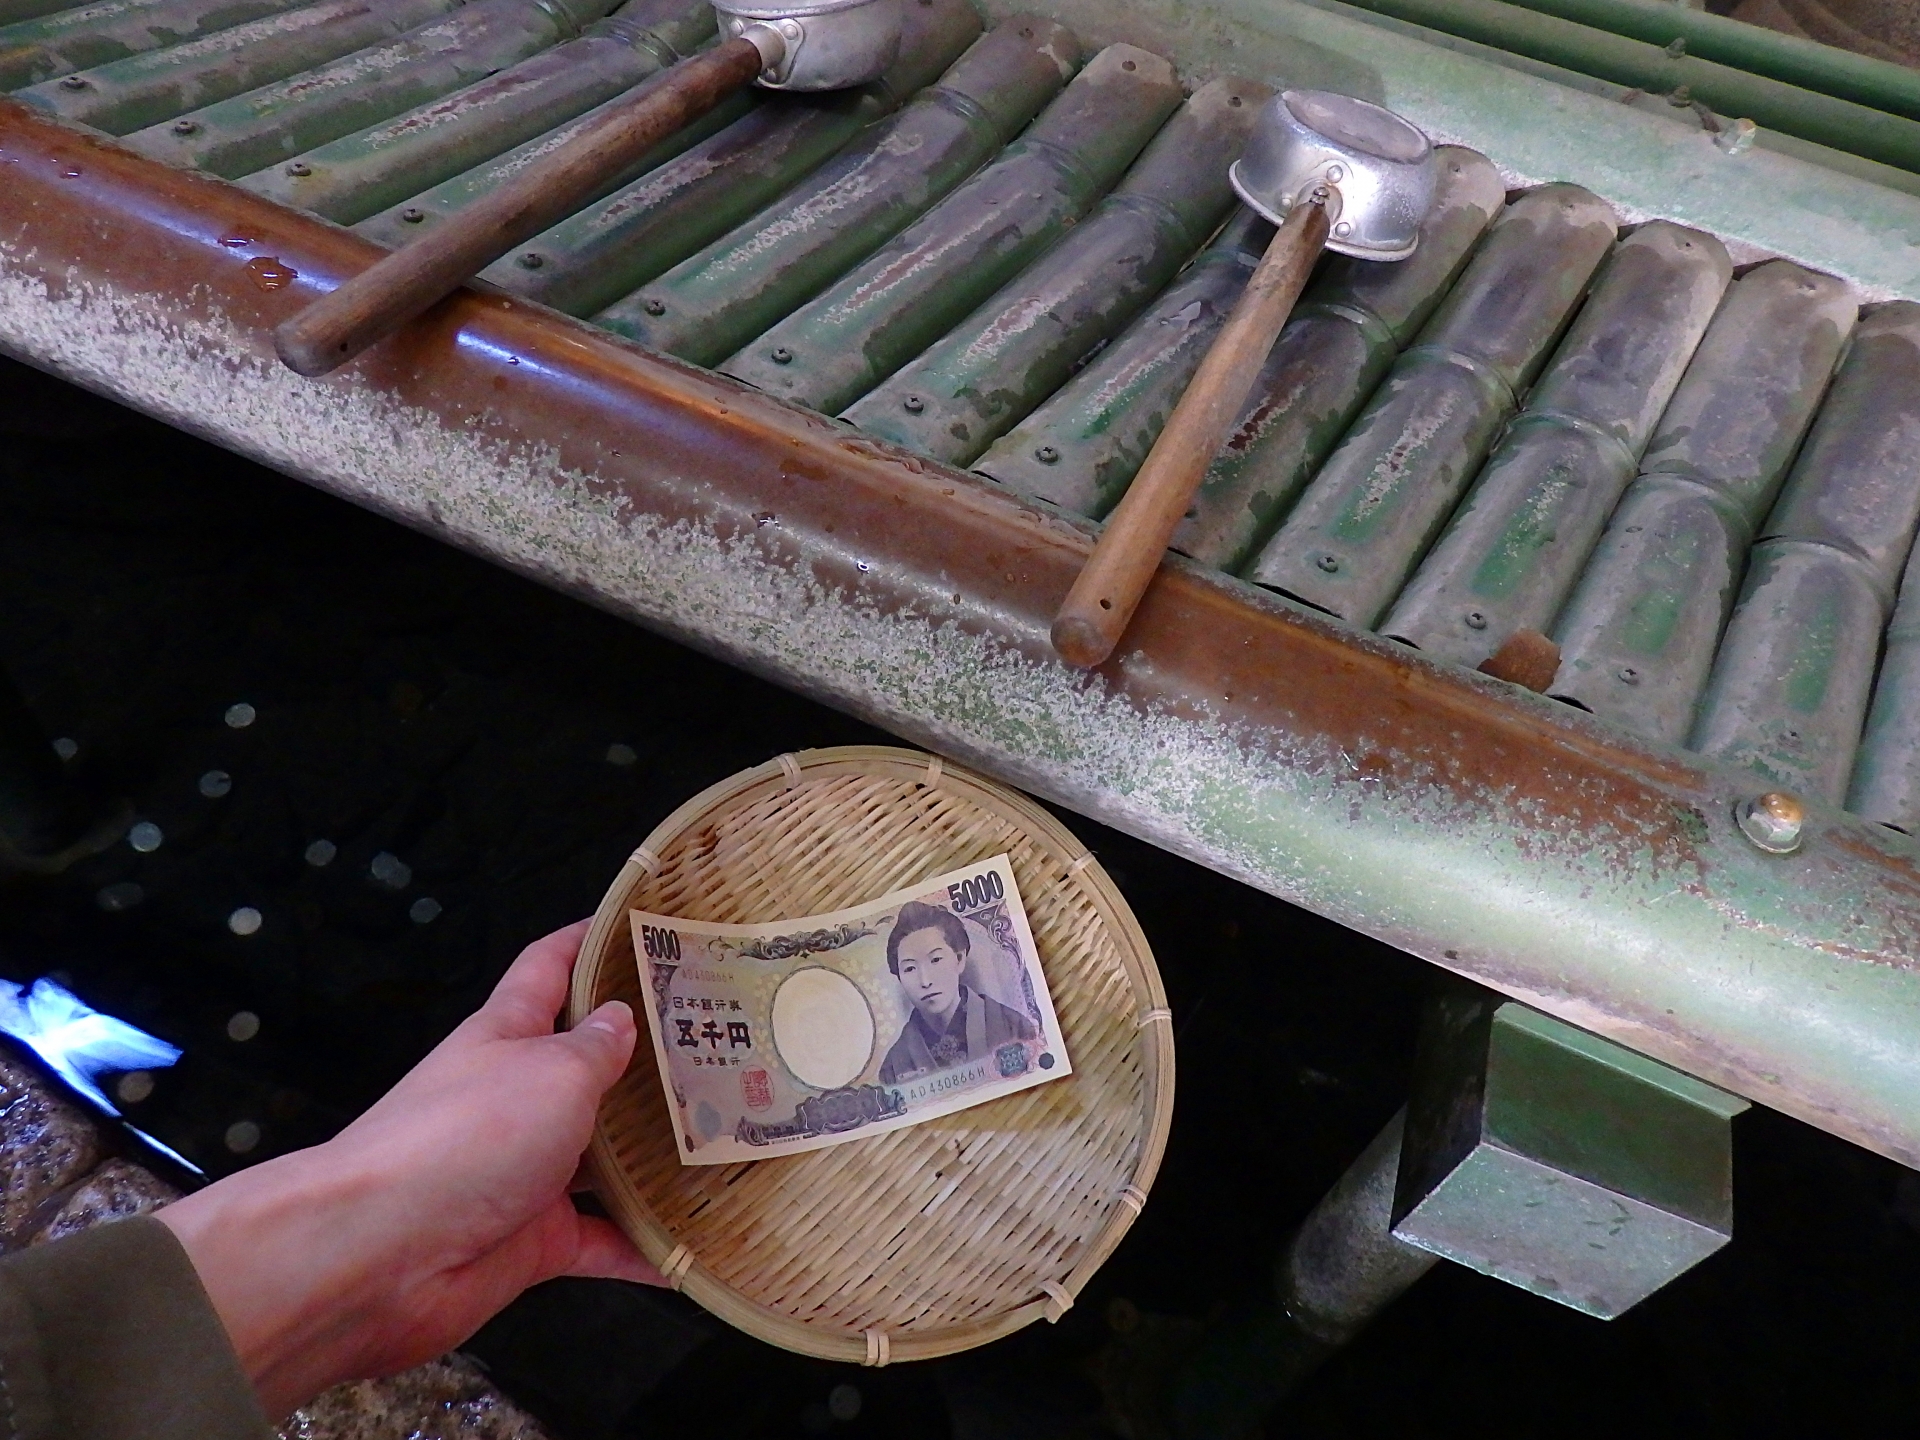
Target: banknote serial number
(659, 942)
(982, 889)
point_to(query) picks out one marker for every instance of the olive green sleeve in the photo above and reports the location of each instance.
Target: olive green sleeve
(109, 1334)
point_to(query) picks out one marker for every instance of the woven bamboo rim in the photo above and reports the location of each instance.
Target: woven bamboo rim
(934, 1238)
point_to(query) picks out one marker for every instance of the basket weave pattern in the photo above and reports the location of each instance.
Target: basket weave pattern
(942, 1235)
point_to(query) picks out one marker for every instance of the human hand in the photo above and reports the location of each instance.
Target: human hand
(402, 1235)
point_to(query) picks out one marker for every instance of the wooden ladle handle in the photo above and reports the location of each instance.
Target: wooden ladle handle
(383, 297)
(1128, 552)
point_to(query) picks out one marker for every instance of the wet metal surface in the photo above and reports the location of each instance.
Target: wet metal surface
(1017, 348)
(352, 177)
(1638, 635)
(713, 302)
(89, 35)
(1516, 546)
(829, 353)
(1380, 499)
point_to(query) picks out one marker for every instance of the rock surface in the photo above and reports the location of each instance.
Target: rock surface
(445, 1399)
(46, 1144)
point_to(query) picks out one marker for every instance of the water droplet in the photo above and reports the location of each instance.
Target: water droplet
(271, 274)
(65, 748)
(237, 242)
(390, 870)
(241, 715)
(424, 911)
(146, 837)
(133, 1087)
(242, 1136)
(122, 895)
(244, 921)
(622, 755)
(242, 1026)
(321, 852)
(72, 172)
(215, 783)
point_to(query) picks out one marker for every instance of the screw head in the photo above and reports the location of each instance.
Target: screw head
(531, 259)
(74, 82)
(914, 404)
(1047, 455)
(1336, 173)
(655, 307)
(186, 127)
(413, 215)
(1774, 821)
(299, 169)
(1475, 620)
(1329, 563)
(1628, 675)
(782, 355)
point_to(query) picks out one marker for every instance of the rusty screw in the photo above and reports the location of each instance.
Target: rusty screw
(782, 355)
(413, 215)
(1047, 454)
(299, 169)
(1773, 821)
(655, 307)
(1329, 563)
(913, 404)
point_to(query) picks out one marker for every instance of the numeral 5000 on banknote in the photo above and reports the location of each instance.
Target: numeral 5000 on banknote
(790, 1036)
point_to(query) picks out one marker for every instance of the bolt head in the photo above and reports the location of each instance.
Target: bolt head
(186, 127)
(1774, 821)
(782, 355)
(1476, 621)
(1047, 455)
(299, 169)
(1628, 675)
(531, 260)
(914, 404)
(1329, 563)
(74, 82)
(413, 215)
(655, 307)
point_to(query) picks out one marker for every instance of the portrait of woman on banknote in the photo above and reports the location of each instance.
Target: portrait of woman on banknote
(951, 1022)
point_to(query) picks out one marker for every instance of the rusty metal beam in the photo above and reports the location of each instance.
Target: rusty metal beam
(1598, 878)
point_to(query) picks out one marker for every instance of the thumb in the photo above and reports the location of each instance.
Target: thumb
(605, 1039)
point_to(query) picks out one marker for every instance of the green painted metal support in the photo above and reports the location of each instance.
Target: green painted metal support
(1880, 84)
(1891, 139)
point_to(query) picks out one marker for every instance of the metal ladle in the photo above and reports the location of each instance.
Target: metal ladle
(778, 44)
(1330, 171)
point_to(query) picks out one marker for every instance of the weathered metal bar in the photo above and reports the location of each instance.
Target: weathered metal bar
(1864, 79)
(350, 178)
(277, 121)
(1526, 528)
(1079, 450)
(1383, 495)
(1886, 776)
(398, 223)
(141, 90)
(89, 35)
(645, 228)
(715, 301)
(1790, 684)
(1000, 362)
(1592, 875)
(913, 290)
(1638, 635)
(1327, 363)
(1892, 139)
(15, 10)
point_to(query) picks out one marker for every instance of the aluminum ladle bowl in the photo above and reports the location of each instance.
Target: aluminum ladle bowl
(1377, 170)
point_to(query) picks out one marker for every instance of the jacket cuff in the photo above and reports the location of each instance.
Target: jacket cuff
(109, 1333)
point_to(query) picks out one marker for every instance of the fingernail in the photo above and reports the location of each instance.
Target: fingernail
(615, 1017)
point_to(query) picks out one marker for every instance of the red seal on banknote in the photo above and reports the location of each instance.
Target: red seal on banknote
(756, 1089)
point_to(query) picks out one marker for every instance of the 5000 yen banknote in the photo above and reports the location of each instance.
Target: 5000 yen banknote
(790, 1036)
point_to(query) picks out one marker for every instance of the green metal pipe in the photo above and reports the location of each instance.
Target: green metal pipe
(276, 122)
(141, 90)
(1827, 69)
(1011, 353)
(713, 302)
(12, 10)
(1892, 139)
(399, 223)
(1081, 448)
(833, 350)
(645, 228)
(353, 177)
(1327, 362)
(59, 44)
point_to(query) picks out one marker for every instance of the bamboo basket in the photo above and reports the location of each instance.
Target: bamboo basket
(934, 1238)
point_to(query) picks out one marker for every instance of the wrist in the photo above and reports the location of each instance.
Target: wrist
(285, 1272)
